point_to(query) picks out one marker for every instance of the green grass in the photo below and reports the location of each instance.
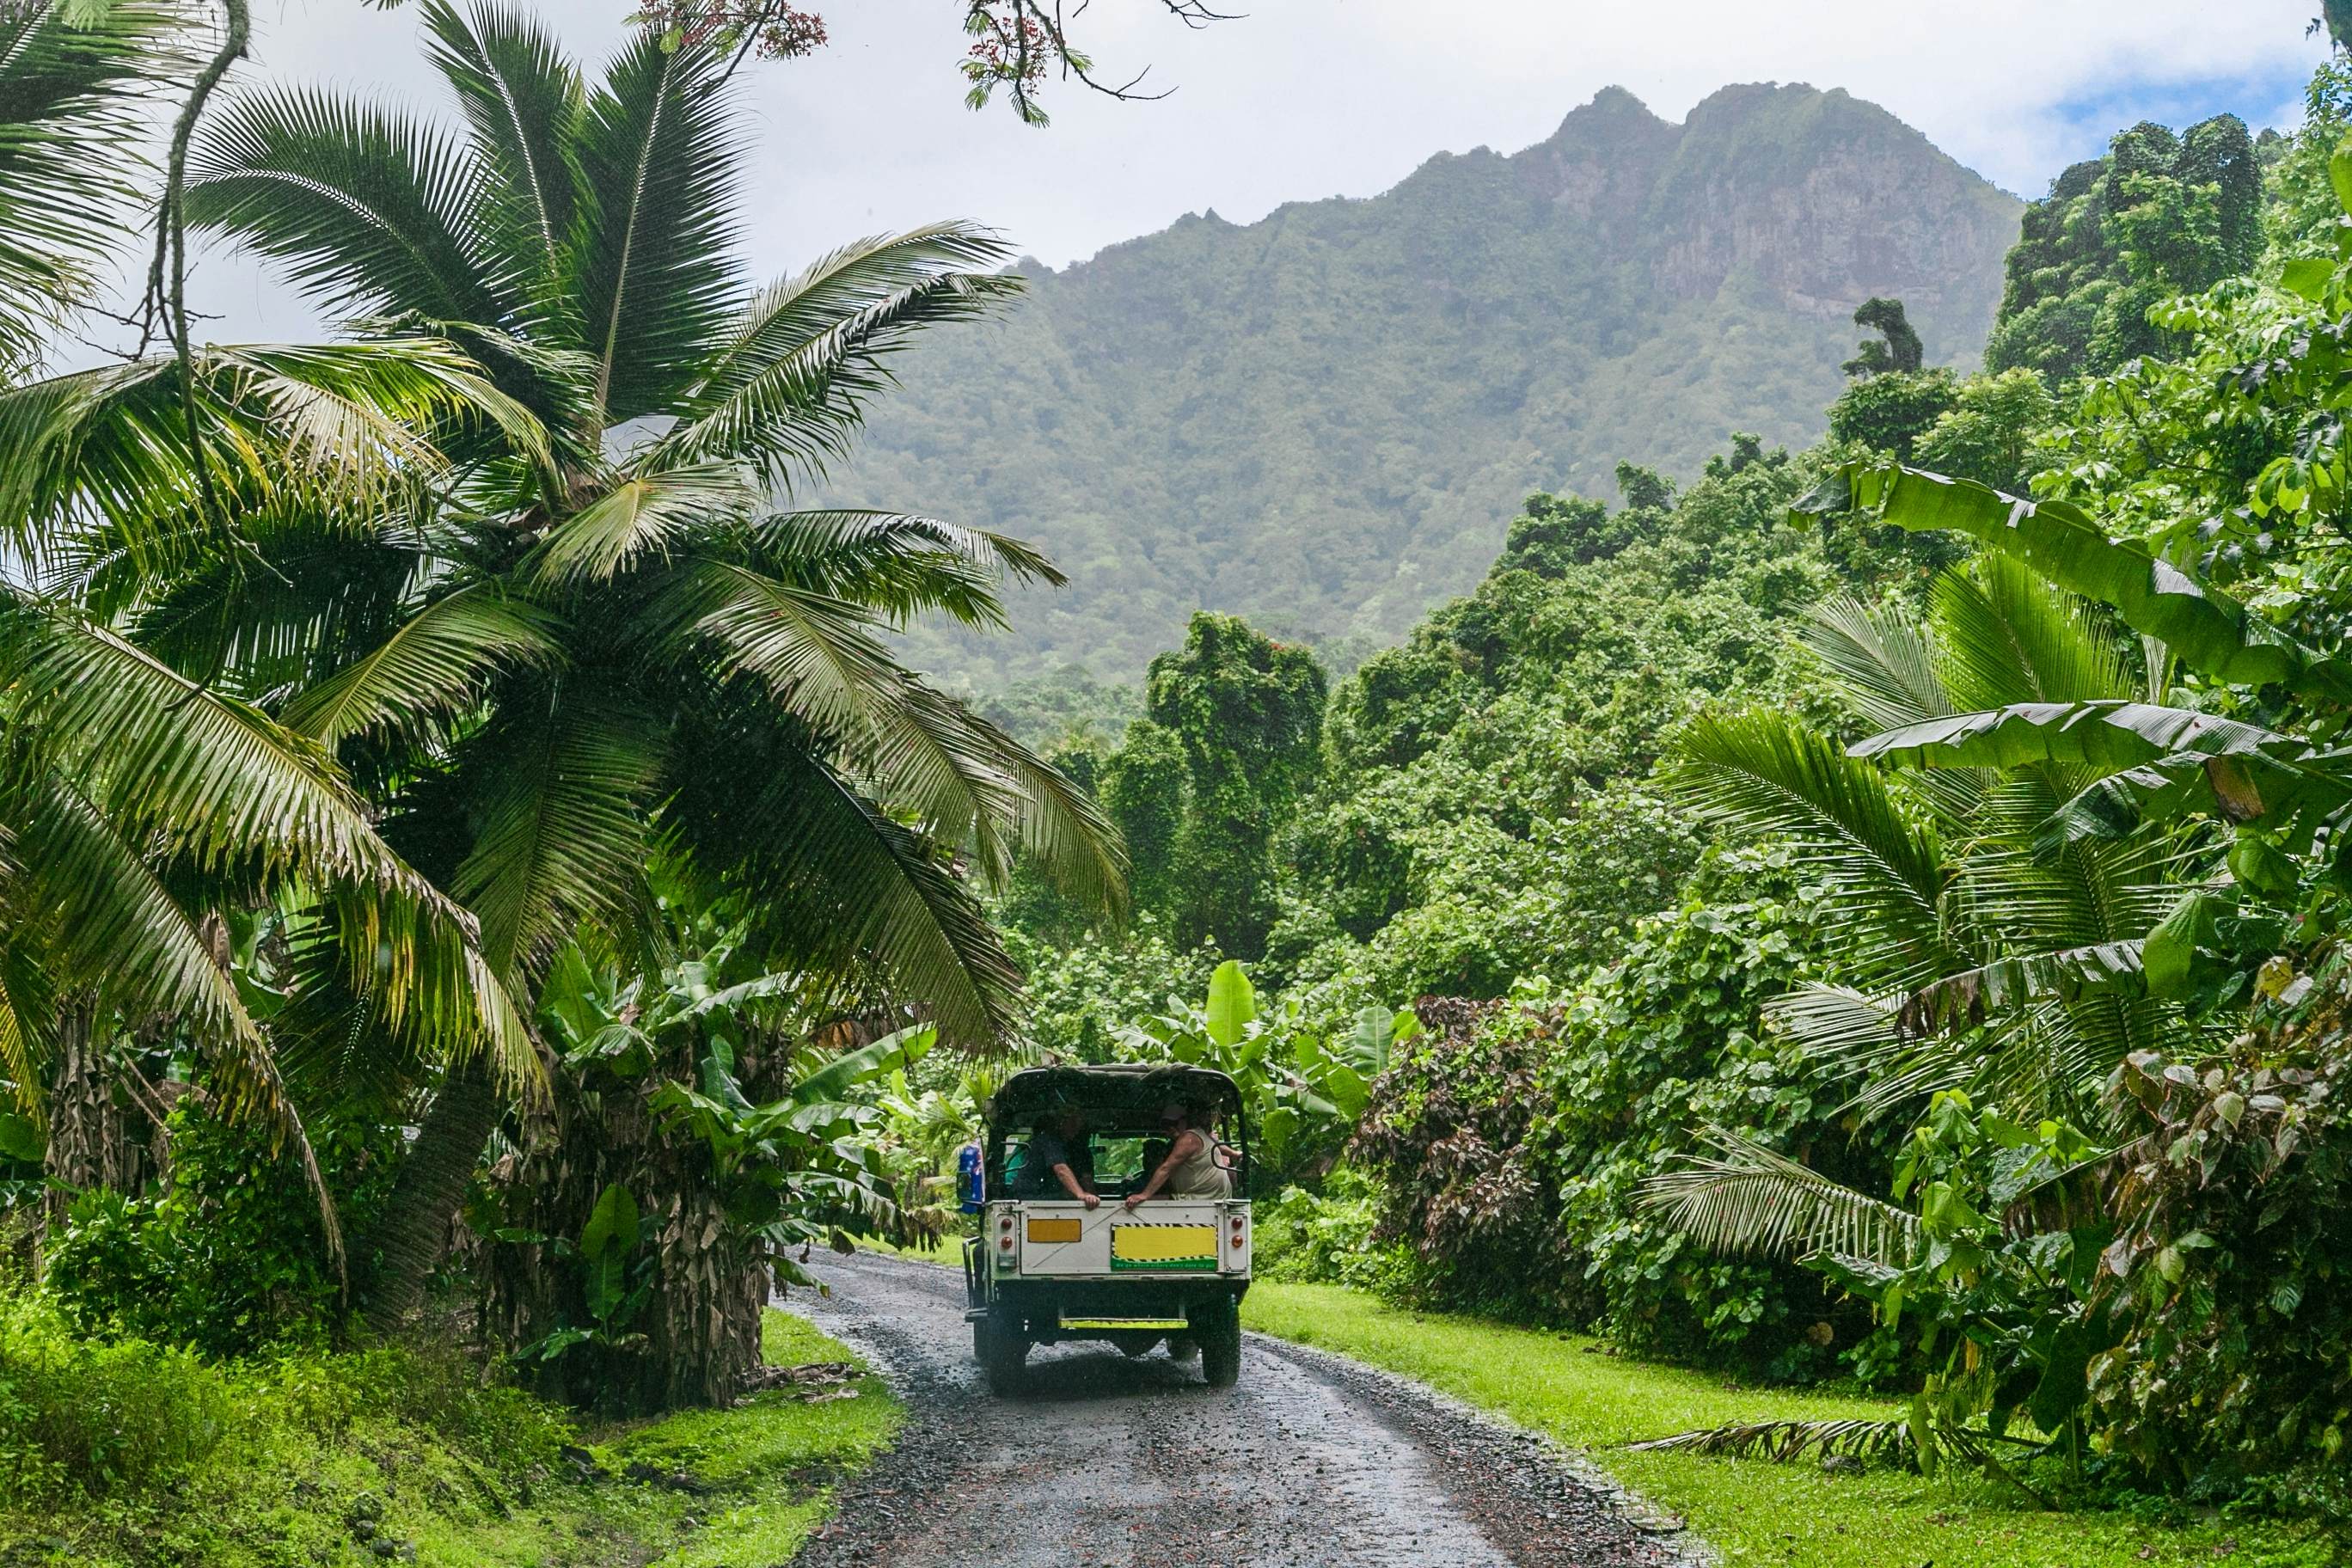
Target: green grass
(291, 1451)
(1750, 1511)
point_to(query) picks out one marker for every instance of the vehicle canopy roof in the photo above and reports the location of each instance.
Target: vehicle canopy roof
(1138, 1087)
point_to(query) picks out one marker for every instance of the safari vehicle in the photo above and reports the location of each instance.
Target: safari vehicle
(1046, 1269)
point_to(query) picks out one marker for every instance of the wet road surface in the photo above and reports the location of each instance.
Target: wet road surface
(1108, 1462)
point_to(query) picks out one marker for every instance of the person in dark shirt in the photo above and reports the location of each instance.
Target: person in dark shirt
(972, 1177)
(1060, 1154)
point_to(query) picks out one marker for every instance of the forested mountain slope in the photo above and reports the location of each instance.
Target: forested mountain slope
(1321, 420)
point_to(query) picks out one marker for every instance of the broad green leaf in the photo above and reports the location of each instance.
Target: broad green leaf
(2205, 629)
(2095, 734)
(2339, 175)
(2170, 953)
(2307, 276)
(21, 1139)
(2006, 985)
(1232, 1003)
(1374, 1035)
(612, 1223)
(901, 1048)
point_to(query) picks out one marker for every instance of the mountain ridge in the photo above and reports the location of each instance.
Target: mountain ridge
(1323, 420)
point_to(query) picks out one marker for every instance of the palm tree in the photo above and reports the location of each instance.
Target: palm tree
(1979, 952)
(553, 661)
(132, 799)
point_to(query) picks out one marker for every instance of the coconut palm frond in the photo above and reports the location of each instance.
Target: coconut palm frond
(1752, 1199)
(901, 563)
(522, 101)
(1783, 1442)
(660, 162)
(1882, 657)
(790, 387)
(77, 83)
(640, 517)
(1760, 774)
(839, 885)
(2005, 636)
(436, 663)
(563, 834)
(367, 207)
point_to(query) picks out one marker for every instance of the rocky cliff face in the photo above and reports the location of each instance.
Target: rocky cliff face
(1325, 419)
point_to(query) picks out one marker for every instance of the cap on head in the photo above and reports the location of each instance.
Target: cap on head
(1173, 1112)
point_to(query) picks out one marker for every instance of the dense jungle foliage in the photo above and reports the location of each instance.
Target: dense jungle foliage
(1858, 933)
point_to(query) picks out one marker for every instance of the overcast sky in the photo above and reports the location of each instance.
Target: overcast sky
(1307, 99)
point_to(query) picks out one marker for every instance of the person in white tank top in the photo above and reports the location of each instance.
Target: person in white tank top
(1190, 1169)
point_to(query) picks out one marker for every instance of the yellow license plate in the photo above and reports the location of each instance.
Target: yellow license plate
(1180, 1246)
(1052, 1230)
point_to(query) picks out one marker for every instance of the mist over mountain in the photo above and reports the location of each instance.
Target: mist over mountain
(1324, 420)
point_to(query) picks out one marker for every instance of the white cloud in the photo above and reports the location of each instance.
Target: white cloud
(1306, 98)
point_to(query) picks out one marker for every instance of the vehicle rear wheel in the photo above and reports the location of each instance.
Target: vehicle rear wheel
(1003, 1355)
(1221, 1349)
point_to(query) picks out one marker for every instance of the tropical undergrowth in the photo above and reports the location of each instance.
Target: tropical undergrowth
(122, 1453)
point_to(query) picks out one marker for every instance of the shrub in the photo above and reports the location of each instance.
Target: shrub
(230, 1257)
(2233, 1269)
(1330, 1237)
(79, 1416)
(1511, 1142)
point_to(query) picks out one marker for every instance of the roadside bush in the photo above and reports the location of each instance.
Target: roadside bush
(1447, 1138)
(1512, 1140)
(2232, 1272)
(1329, 1237)
(88, 1418)
(78, 1415)
(229, 1256)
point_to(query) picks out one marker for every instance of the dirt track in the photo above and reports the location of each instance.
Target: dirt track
(1103, 1462)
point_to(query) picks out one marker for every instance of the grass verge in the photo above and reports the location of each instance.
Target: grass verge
(129, 1455)
(1748, 1511)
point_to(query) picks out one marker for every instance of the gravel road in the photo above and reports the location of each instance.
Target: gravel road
(1104, 1462)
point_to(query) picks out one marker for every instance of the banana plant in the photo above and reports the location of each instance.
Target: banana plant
(2275, 808)
(1300, 1085)
(615, 1280)
(803, 1166)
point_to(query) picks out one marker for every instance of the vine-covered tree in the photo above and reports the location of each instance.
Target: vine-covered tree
(1895, 351)
(2161, 214)
(1231, 743)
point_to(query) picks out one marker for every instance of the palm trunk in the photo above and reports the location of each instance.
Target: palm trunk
(92, 1140)
(414, 1230)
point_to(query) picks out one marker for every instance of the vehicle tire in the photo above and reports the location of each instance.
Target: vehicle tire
(1221, 1350)
(1004, 1356)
